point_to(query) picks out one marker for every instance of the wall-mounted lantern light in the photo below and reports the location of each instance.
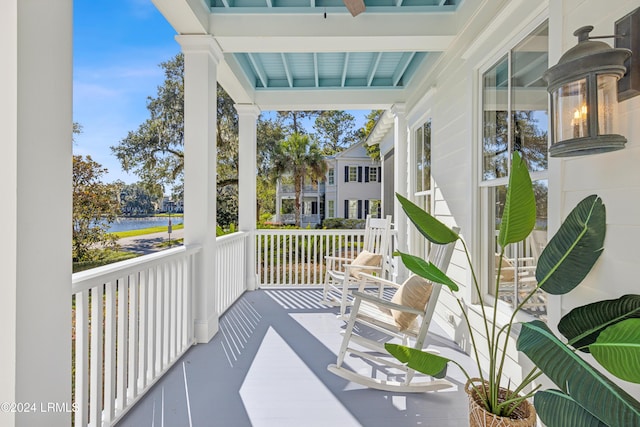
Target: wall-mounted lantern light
(584, 102)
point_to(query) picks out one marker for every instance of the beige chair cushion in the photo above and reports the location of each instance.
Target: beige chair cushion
(414, 293)
(364, 258)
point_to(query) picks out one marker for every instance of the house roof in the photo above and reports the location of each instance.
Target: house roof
(301, 54)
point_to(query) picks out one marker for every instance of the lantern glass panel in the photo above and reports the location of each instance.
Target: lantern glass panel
(570, 110)
(607, 102)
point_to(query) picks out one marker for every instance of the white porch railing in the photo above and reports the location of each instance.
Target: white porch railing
(132, 321)
(296, 257)
(231, 269)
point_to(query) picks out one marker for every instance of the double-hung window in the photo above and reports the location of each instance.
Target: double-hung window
(331, 180)
(421, 153)
(514, 118)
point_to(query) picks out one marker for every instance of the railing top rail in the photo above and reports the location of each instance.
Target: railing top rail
(315, 232)
(86, 279)
(233, 236)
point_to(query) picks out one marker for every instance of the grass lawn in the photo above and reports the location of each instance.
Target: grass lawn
(143, 231)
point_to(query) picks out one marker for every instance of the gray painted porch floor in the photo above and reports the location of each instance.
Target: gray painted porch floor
(267, 367)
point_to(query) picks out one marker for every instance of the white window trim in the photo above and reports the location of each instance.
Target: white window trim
(331, 176)
(373, 170)
(349, 177)
(485, 185)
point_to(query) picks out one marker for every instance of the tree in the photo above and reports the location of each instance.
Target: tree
(155, 151)
(301, 158)
(335, 130)
(268, 134)
(136, 200)
(292, 120)
(363, 133)
(95, 206)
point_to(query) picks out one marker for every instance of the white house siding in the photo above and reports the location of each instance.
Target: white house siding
(453, 106)
(354, 156)
(615, 177)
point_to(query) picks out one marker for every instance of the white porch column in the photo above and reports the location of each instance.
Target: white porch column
(400, 179)
(247, 120)
(201, 58)
(35, 255)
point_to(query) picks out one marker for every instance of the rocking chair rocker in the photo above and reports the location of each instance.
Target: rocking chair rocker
(405, 317)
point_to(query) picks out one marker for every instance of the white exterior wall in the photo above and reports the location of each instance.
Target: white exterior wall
(450, 94)
(615, 177)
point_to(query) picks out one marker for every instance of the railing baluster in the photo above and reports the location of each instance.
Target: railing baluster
(81, 379)
(142, 331)
(95, 396)
(122, 344)
(110, 351)
(132, 369)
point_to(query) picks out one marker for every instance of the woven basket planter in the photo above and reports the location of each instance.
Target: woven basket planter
(523, 416)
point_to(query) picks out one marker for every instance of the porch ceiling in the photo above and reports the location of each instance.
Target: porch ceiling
(288, 54)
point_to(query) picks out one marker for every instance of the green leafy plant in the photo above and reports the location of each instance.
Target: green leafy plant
(608, 329)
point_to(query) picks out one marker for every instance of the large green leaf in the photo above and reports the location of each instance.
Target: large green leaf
(572, 252)
(574, 376)
(582, 325)
(427, 270)
(421, 361)
(519, 216)
(617, 349)
(434, 230)
(557, 409)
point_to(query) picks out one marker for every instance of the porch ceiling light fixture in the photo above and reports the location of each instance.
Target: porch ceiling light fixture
(584, 98)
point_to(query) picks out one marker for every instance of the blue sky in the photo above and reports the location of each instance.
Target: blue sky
(118, 46)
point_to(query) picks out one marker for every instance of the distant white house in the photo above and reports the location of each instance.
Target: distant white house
(351, 189)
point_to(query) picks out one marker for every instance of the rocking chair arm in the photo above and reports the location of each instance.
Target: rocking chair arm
(384, 303)
(369, 278)
(337, 258)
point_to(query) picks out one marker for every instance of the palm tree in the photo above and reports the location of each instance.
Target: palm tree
(302, 158)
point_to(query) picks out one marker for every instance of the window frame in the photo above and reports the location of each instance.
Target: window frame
(353, 170)
(331, 176)
(485, 186)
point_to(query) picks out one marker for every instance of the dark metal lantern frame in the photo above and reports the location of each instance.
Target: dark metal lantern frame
(586, 61)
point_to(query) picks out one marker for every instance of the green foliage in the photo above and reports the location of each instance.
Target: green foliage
(136, 200)
(610, 329)
(582, 325)
(576, 378)
(343, 223)
(95, 207)
(102, 257)
(155, 151)
(574, 249)
(335, 131)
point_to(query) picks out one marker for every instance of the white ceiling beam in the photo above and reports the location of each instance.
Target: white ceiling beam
(367, 25)
(327, 99)
(269, 4)
(374, 68)
(233, 79)
(185, 16)
(398, 3)
(335, 44)
(315, 69)
(345, 67)
(287, 71)
(257, 65)
(402, 67)
(312, 3)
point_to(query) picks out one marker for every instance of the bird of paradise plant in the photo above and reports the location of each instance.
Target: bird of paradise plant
(610, 330)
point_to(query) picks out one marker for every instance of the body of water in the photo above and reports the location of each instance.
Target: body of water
(126, 224)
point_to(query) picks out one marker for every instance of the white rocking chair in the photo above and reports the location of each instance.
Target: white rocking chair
(343, 273)
(388, 316)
